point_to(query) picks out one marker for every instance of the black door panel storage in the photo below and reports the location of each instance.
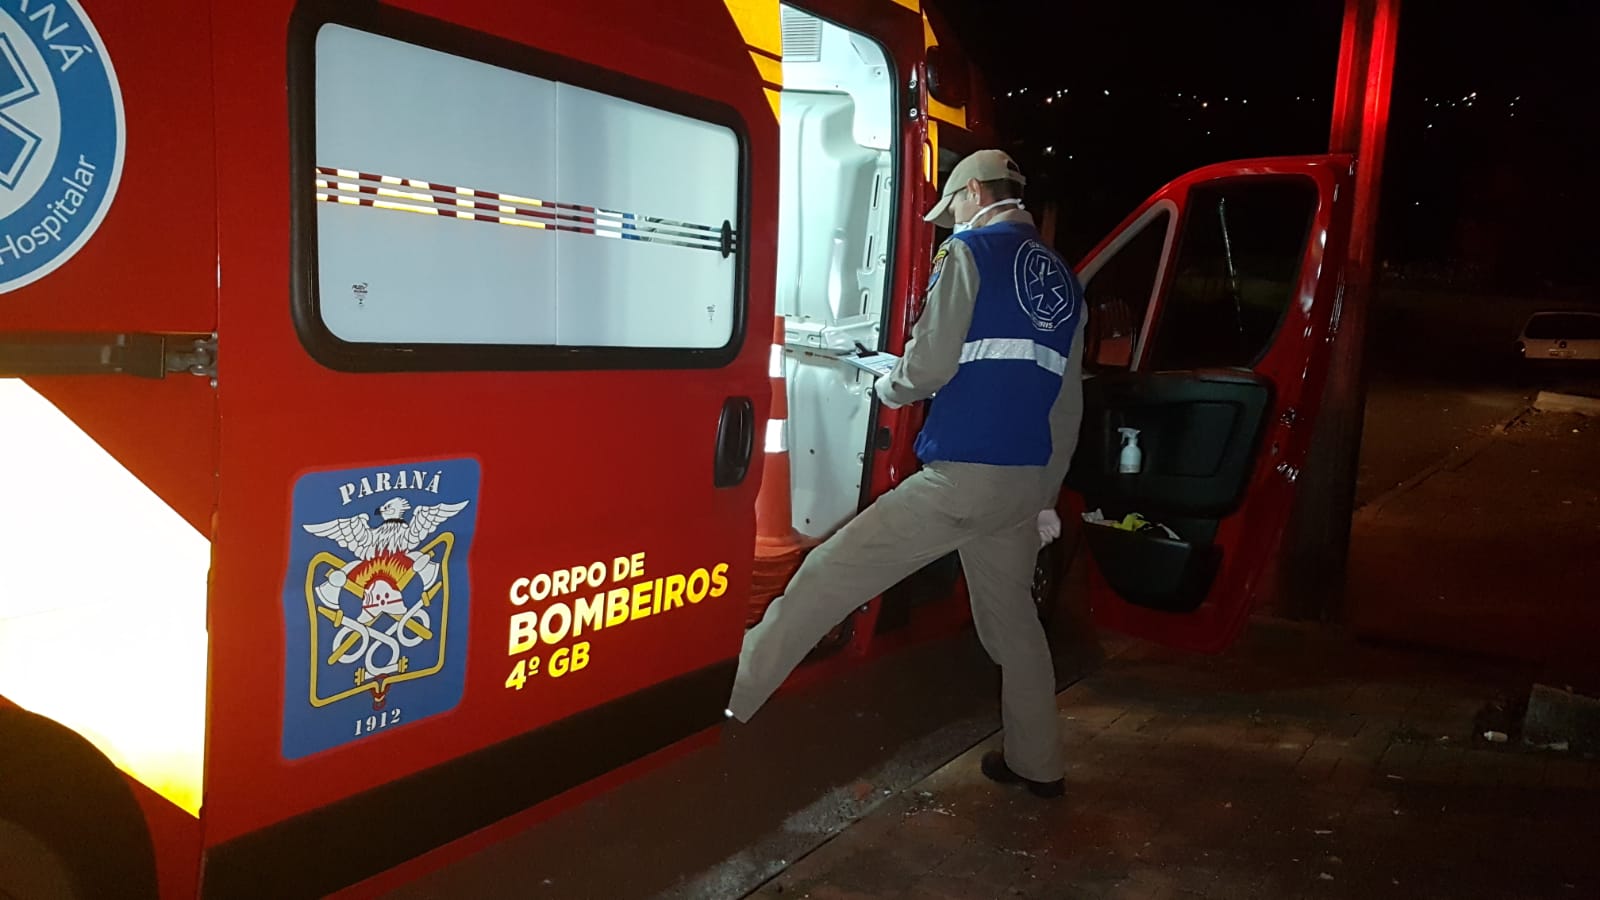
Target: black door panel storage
(1199, 432)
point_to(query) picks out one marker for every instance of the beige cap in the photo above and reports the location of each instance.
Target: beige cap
(984, 165)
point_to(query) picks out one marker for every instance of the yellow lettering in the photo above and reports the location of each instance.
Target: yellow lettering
(580, 575)
(519, 591)
(698, 594)
(619, 568)
(656, 606)
(641, 600)
(548, 631)
(560, 579)
(569, 659)
(518, 676)
(638, 565)
(590, 612)
(539, 587)
(719, 580)
(674, 596)
(597, 573)
(616, 607)
(524, 633)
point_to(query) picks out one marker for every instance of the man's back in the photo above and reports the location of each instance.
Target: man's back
(1026, 312)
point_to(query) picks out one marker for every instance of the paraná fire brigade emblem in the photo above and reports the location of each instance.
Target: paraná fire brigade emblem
(377, 585)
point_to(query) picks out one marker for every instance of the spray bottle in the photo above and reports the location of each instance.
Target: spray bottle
(1132, 458)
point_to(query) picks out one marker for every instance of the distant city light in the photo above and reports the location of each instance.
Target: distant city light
(1051, 95)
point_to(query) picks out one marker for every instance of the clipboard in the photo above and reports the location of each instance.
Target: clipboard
(872, 362)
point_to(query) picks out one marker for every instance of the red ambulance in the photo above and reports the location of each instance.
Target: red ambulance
(388, 389)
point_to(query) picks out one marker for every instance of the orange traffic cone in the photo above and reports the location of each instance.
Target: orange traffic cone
(779, 548)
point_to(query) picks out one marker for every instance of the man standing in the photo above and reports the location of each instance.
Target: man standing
(999, 340)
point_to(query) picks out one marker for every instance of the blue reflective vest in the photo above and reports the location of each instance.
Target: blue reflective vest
(996, 410)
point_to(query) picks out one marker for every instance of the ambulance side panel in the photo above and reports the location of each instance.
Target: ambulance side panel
(596, 473)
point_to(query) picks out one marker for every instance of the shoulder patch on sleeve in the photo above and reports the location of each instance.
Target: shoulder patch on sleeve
(938, 264)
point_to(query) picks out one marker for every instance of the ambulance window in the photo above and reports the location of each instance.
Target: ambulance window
(1118, 296)
(458, 204)
(1237, 263)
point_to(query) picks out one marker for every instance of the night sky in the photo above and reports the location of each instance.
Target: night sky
(1487, 198)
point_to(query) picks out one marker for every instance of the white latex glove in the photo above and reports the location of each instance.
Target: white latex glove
(878, 386)
(1049, 526)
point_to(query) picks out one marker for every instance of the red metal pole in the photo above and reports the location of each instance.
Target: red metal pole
(1319, 535)
(1345, 136)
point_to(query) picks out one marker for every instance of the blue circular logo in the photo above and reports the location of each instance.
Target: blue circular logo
(1042, 287)
(62, 137)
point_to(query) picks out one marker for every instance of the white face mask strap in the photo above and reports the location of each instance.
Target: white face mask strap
(963, 226)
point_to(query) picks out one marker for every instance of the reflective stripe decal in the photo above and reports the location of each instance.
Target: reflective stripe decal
(1014, 348)
(777, 436)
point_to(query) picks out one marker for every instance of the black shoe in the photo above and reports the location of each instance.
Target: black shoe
(995, 768)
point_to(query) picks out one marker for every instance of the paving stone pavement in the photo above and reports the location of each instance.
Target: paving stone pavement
(1299, 765)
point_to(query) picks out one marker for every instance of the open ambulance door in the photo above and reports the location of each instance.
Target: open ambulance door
(859, 135)
(1210, 313)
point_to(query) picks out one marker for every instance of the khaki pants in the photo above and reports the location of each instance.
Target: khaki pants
(985, 512)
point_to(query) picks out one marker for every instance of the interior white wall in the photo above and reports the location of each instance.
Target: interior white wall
(845, 63)
(836, 202)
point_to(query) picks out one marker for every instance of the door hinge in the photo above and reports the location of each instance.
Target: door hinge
(1289, 418)
(199, 359)
(44, 354)
(1290, 473)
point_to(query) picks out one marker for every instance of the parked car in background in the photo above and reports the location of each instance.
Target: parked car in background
(1563, 337)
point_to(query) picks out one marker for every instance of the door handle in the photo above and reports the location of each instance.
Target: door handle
(736, 440)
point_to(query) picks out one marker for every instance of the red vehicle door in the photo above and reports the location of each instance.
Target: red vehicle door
(1210, 311)
(495, 357)
(105, 348)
